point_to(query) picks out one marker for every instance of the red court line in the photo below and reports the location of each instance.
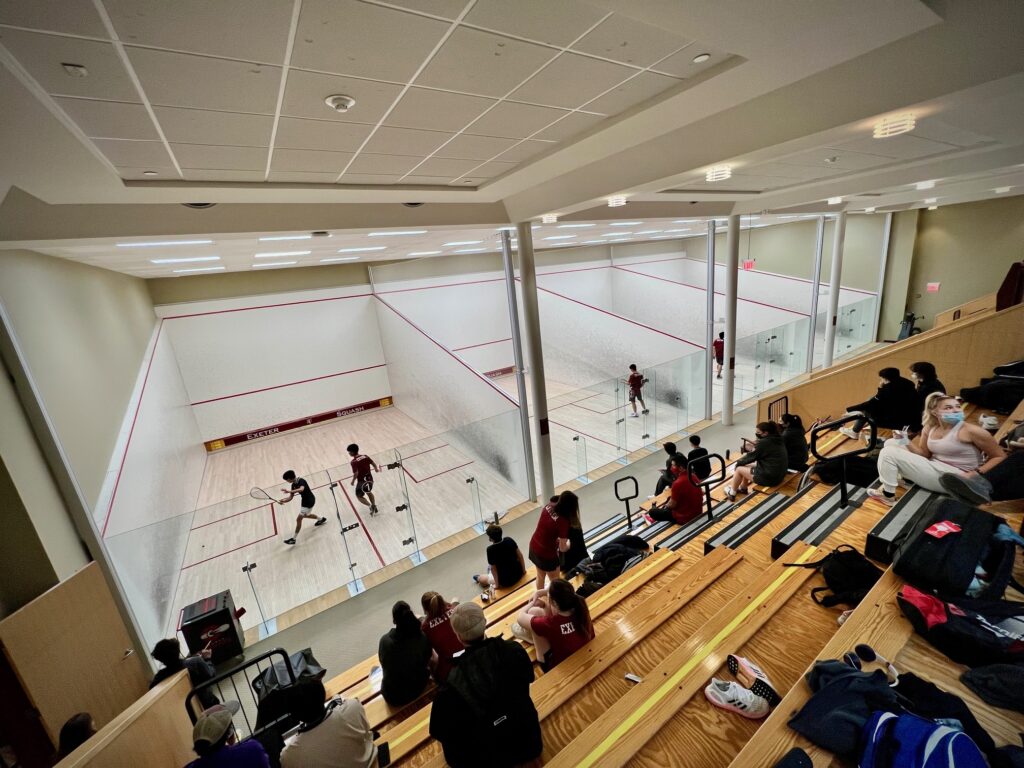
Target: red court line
(443, 285)
(289, 384)
(438, 474)
(243, 546)
(573, 402)
(618, 317)
(717, 293)
(581, 432)
(362, 525)
(762, 272)
(481, 344)
(268, 306)
(128, 442)
(228, 517)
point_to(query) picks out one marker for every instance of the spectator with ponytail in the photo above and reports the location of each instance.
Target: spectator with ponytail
(557, 621)
(405, 657)
(437, 627)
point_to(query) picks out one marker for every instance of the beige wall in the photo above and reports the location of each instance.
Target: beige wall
(897, 273)
(968, 249)
(84, 332)
(25, 570)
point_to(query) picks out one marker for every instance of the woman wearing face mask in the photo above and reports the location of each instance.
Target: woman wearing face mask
(946, 444)
(769, 459)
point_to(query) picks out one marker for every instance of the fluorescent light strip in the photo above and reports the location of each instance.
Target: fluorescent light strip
(624, 223)
(397, 233)
(198, 269)
(164, 243)
(184, 260)
(560, 237)
(340, 258)
(285, 237)
(274, 264)
(364, 249)
(506, 229)
(575, 226)
(651, 232)
(276, 254)
(424, 253)
(616, 234)
(469, 250)
(462, 242)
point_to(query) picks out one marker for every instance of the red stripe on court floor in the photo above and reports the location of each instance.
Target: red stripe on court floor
(228, 517)
(581, 432)
(289, 384)
(268, 306)
(362, 525)
(273, 519)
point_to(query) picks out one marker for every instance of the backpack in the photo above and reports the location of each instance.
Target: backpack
(948, 545)
(848, 574)
(909, 741)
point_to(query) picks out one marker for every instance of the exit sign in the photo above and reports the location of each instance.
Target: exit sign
(933, 287)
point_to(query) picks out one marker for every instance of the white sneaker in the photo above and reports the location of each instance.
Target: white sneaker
(849, 433)
(735, 698)
(521, 633)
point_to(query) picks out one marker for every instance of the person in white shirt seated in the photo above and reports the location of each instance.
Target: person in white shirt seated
(335, 736)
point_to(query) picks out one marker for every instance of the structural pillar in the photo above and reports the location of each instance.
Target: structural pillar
(531, 323)
(517, 356)
(732, 266)
(709, 336)
(833, 289)
(819, 245)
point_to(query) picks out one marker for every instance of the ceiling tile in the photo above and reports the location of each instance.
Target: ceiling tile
(515, 121)
(426, 180)
(467, 147)
(348, 37)
(571, 80)
(632, 92)
(937, 130)
(903, 147)
(369, 178)
(787, 171)
(681, 64)
(42, 56)
(199, 82)
(405, 141)
(204, 174)
(302, 177)
(632, 42)
(305, 93)
(386, 165)
(438, 166)
(195, 126)
(254, 30)
(527, 149)
(493, 169)
(138, 174)
(226, 158)
(310, 160)
(844, 161)
(570, 125)
(479, 62)
(449, 9)
(293, 133)
(109, 119)
(436, 110)
(557, 23)
(134, 153)
(75, 17)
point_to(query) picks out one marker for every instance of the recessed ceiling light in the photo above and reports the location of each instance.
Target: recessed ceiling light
(894, 126)
(274, 264)
(270, 238)
(575, 226)
(700, 58)
(74, 70)
(549, 218)
(650, 232)
(616, 201)
(930, 200)
(1002, 190)
(396, 232)
(281, 253)
(340, 102)
(424, 253)
(616, 234)
(339, 258)
(933, 207)
(184, 260)
(149, 173)
(198, 269)
(363, 249)
(163, 243)
(835, 200)
(588, 242)
(677, 230)
(869, 210)
(718, 173)
(925, 185)
(506, 229)
(462, 242)
(560, 237)
(469, 250)
(624, 223)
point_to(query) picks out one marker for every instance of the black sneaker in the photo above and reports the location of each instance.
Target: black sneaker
(373, 509)
(645, 411)
(289, 541)
(321, 521)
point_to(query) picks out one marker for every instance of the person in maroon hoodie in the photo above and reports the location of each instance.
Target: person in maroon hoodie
(438, 629)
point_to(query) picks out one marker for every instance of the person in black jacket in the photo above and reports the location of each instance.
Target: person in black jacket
(796, 441)
(926, 380)
(405, 657)
(483, 714)
(701, 469)
(665, 477)
(894, 406)
(769, 458)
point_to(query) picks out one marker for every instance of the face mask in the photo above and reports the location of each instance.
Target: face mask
(952, 418)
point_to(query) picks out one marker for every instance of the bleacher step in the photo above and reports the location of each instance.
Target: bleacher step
(880, 539)
(814, 525)
(753, 520)
(697, 526)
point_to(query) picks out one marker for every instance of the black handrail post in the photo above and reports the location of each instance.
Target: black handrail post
(710, 482)
(627, 498)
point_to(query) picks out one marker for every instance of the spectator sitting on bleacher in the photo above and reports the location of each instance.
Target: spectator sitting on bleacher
(483, 715)
(168, 653)
(74, 733)
(685, 503)
(405, 657)
(1003, 482)
(438, 629)
(335, 736)
(702, 469)
(665, 475)
(214, 740)
(926, 380)
(894, 406)
(796, 441)
(557, 622)
(505, 563)
(769, 458)
(946, 444)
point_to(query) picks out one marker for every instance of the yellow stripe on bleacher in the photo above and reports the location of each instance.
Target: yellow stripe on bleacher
(706, 650)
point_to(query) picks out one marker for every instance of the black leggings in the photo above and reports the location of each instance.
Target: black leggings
(1007, 478)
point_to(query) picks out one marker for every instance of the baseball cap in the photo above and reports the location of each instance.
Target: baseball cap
(213, 722)
(468, 621)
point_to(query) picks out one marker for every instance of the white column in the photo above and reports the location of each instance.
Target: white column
(709, 336)
(882, 265)
(531, 321)
(732, 266)
(819, 245)
(833, 289)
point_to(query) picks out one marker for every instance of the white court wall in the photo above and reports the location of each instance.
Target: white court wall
(588, 281)
(251, 363)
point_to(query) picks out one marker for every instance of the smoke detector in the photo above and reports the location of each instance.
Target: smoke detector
(199, 206)
(340, 102)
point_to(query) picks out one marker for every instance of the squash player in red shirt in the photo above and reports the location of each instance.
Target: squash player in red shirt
(363, 468)
(636, 384)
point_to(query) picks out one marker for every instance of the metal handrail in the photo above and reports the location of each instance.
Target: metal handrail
(711, 481)
(831, 426)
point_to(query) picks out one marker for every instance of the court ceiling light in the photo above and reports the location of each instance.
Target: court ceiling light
(164, 243)
(651, 232)
(363, 249)
(469, 250)
(677, 230)
(274, 264)
(506, 229)
(396, 233)
(870, 210)
(835, 200)
(616, 201)
(549, 218)
(462, 242)
(198, 269)
(930, 200)
(624, 223)
(185, 260)
(933, 207)
(340, 258)
(1002, 190)
(589, 242)
(700, 58)
(271, 238)
(894, 125)
(686, 221)
(616, 234)
(718, 173)
(575, 226)
(925, 185)
(424, 253)
(560, 237)
(281, 253)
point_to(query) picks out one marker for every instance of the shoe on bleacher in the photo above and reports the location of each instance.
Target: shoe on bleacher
(878, 495)
(648, 519)
(521, 633)
(733, 697)
(849, 433)
(753, 677)
(971, 490)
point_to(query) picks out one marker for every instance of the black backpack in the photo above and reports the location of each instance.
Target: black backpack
(848, 574)
(948, 544)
